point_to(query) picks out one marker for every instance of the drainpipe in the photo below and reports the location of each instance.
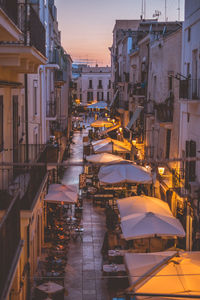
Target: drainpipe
(26, 114)
(42, 70)
(26, 83)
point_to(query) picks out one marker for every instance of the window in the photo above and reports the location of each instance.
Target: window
(154, 86)
(190, 166)
(189, 34)
(100, 84)
(89, 96)
(109, 84)
(1, 123)
(90, 84)
(35, 86)
(108, 96)
(23, 119)
(170, 83)
(188, 69)
(168, 139)
(99, 96)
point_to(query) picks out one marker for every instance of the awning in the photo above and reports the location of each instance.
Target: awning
(114, 98)
(135, 116)
(99, 105)
(110, 129)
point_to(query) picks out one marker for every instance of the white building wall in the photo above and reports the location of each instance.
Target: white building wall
(190, 108)
(96, 74)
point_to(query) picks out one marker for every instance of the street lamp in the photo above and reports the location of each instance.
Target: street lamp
(161, 170)
(134, 142)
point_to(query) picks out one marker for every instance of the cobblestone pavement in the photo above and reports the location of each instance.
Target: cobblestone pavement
(83, 278)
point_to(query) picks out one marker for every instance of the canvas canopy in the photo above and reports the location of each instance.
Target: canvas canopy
(99, 105)
(110, 129)
(111, 145)
(162, 273)
(103, 158)
(101, 123)
(58, 193)
(124, 173)
(142, 204)
(101, 141)
(149, 224)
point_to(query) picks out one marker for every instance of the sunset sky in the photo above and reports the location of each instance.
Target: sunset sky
(87, 25)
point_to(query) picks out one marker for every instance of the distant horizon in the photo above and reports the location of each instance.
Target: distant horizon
(86, 27)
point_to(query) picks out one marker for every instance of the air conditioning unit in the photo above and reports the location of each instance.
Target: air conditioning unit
(194, 187)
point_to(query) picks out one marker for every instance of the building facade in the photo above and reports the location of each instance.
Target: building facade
(94, 84)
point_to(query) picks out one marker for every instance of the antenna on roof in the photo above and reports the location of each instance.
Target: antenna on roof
(157, 13)
(165, 10)
(143, 10)
(179, 10)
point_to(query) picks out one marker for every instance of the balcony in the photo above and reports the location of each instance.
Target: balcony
(25, 179)
(60, 77)
(99, 87)
(34, 152)
(51, 110)
(189, 89)
(165, 110)
(122, 105)
(10, 7)
(149, 151)
(164, 113)
(10, 240)
(138, 89)
(9, 20)
(25, 51)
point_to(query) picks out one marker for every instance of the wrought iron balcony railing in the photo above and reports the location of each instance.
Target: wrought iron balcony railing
(10, 7)
(137, 89)
(189, 89)
(122, 104)
(35, 27)
(164, 113)
(28, 21)
(60, 76)
(10, 239)
(24, 178)
(34, 152)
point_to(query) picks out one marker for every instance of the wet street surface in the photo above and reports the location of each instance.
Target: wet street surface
(83, 277)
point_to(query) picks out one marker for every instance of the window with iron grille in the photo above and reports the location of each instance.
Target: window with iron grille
(190, 166)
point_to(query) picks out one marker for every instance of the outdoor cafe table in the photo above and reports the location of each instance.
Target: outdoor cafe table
(50, 288)
(102, 198)
(114, 253)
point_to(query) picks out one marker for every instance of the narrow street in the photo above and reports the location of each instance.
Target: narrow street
(83, 278)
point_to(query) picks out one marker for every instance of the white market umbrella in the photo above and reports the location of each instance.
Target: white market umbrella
(50, 288)
(101, 123)
(124, 173)
(103, 158)
(111, 146)
(149, 224)
(58, 193)
(102, 141)
(142, 204)
(163, 273)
